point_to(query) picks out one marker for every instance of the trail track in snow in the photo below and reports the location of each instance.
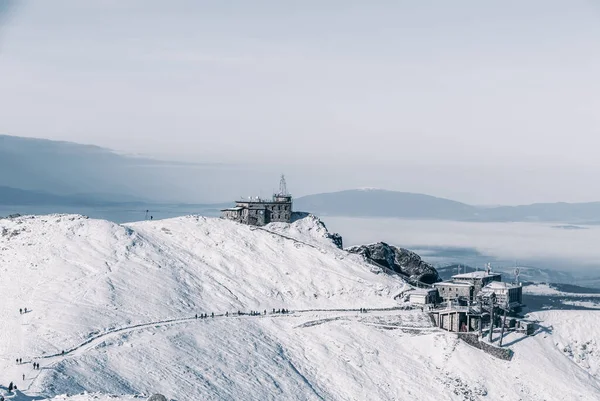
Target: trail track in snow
(98, 339)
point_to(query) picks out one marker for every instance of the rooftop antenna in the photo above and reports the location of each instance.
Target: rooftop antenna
(283, 186)
(517, 272)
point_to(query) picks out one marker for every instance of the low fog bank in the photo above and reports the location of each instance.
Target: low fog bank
(541, 245)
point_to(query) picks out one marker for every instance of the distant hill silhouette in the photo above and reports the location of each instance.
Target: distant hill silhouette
(65, 168)
(16, 196)
(43, 172)
(382, 203)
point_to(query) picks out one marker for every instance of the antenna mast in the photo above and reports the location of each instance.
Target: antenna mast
(283, 186)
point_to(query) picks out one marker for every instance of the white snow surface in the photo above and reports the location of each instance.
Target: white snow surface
(545, 289)
(541, 289)
(575, 333)
(121, 300)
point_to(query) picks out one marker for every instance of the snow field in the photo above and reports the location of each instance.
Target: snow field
(120, 299)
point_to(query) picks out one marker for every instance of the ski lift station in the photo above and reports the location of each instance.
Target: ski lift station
(470, 297)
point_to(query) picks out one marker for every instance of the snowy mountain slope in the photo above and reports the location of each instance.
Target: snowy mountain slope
(83, 273)
(121, 300)
(575, 334)
(78, 276)
(320, 356)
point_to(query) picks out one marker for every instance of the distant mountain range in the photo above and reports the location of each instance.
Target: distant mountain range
(16, 196)
(99, 174)
(39, 172)
(81, 172)
(382, 203)
(351, 203)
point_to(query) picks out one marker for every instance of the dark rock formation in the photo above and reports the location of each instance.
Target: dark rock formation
(399, 260)
(157, 397)
(336, 239)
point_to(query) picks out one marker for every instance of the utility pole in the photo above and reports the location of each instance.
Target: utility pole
(480, 318)
(492, 305)
(491, 321)
(503, 324)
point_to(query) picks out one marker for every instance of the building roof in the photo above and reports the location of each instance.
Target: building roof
(477, 274)
(233, 209)
(454, 284)
(264, 201)
(422, 291)
(455, 309)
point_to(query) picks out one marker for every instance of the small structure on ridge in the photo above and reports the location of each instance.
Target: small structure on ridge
(258, 212)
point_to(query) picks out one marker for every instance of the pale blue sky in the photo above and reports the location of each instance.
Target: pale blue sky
(481, 101)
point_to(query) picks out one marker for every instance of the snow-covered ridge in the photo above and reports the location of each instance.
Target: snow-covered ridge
(93, 271)
(121, 301)
(575, 334)
(79, 277)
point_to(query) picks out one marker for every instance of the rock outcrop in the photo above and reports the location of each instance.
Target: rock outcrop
(399, 260)
(157, 397)
(336, 239)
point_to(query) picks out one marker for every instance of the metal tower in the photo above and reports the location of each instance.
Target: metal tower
(283, 186)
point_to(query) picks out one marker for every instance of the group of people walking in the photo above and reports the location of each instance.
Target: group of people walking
(240, 313)
(205, 315)
(36, 366)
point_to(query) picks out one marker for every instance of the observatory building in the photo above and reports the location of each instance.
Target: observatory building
(258, 212)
